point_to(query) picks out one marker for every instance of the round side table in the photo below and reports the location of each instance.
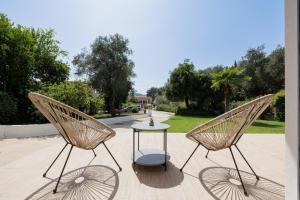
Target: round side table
(150, 157)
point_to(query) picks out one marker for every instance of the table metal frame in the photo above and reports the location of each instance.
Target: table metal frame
(164, 144)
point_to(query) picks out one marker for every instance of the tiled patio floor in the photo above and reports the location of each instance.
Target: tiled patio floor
(23, 161)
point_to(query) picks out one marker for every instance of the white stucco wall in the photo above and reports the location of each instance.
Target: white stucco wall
(32, 130)
(292, 98)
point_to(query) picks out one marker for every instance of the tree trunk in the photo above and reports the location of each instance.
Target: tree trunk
(186, 100)
(112, 109)
(226, 102)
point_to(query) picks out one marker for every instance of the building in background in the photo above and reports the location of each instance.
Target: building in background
(143, 100)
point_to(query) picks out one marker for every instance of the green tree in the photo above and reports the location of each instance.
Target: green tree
(275, 70)
(21, 66)
(108, 68)
(226, 81)
(48, 66)
(77, 94)
(16, 57)
(153, 92)
(254, 65)
(179, 86)
(202, 88)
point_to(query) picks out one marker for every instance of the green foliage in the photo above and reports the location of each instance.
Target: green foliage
(47, 66)
(161, 100)
(194, 86)
(8, 108)
(179, 84)
(254, 64)
(16, 58)
(134, 109)
(207, 100)
(167, 108)
(226, 81)
(278, 105)
(266, 115)
(153, 92)
(266, 71)
(275, 70)
(76, 94)
(108, 68)
(235, 104)
(211, 90)
(96, 104)
(191, 111)
(27, 56)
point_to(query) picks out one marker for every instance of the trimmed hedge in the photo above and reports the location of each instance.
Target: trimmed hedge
(167, 108)
(278, 105)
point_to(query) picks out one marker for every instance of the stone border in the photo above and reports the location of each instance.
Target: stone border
(33, 130)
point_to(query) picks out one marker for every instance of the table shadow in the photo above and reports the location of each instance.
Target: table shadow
(223, 184)
(90, 182)
(157, 177)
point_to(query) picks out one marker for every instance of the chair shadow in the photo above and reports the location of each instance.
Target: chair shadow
(157, 177)
(223, 184)
(90, 182)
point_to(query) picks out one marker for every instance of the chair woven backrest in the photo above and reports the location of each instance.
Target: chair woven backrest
(225, 130)
(77, 128)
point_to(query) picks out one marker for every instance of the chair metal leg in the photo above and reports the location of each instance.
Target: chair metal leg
(94, 152)
(62, 171)
(257, 177)
(44, 175)
(245, 192)
(138, 140)
(190, 157)
(207, 154)
(112, 156)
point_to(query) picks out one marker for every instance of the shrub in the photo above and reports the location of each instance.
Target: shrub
(161, 100)
(135, 109)
(278, 105)
(275, 111)
(77, 94)
(235, 104)
(96, 104)
(193, 110)
(167, 108)
(268, 114)
(8, 108)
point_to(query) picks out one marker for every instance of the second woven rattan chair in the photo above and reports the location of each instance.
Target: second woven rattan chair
(76, 128)
(226, 130)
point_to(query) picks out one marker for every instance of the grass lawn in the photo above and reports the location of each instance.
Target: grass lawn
(182, 124)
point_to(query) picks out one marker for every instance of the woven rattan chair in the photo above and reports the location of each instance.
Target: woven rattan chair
(226, 130)
(76, 128)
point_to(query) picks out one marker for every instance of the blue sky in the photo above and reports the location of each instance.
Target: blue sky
(162, 33)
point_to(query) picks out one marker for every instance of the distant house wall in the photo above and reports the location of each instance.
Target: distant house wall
(143, 100)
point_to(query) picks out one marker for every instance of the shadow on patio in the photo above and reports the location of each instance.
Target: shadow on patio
(90, 182)
(157, 177)
(223, 184)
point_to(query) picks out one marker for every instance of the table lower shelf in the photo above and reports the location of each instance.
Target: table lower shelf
(150, 157)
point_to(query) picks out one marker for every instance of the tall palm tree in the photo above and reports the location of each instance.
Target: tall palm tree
(225, 81)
